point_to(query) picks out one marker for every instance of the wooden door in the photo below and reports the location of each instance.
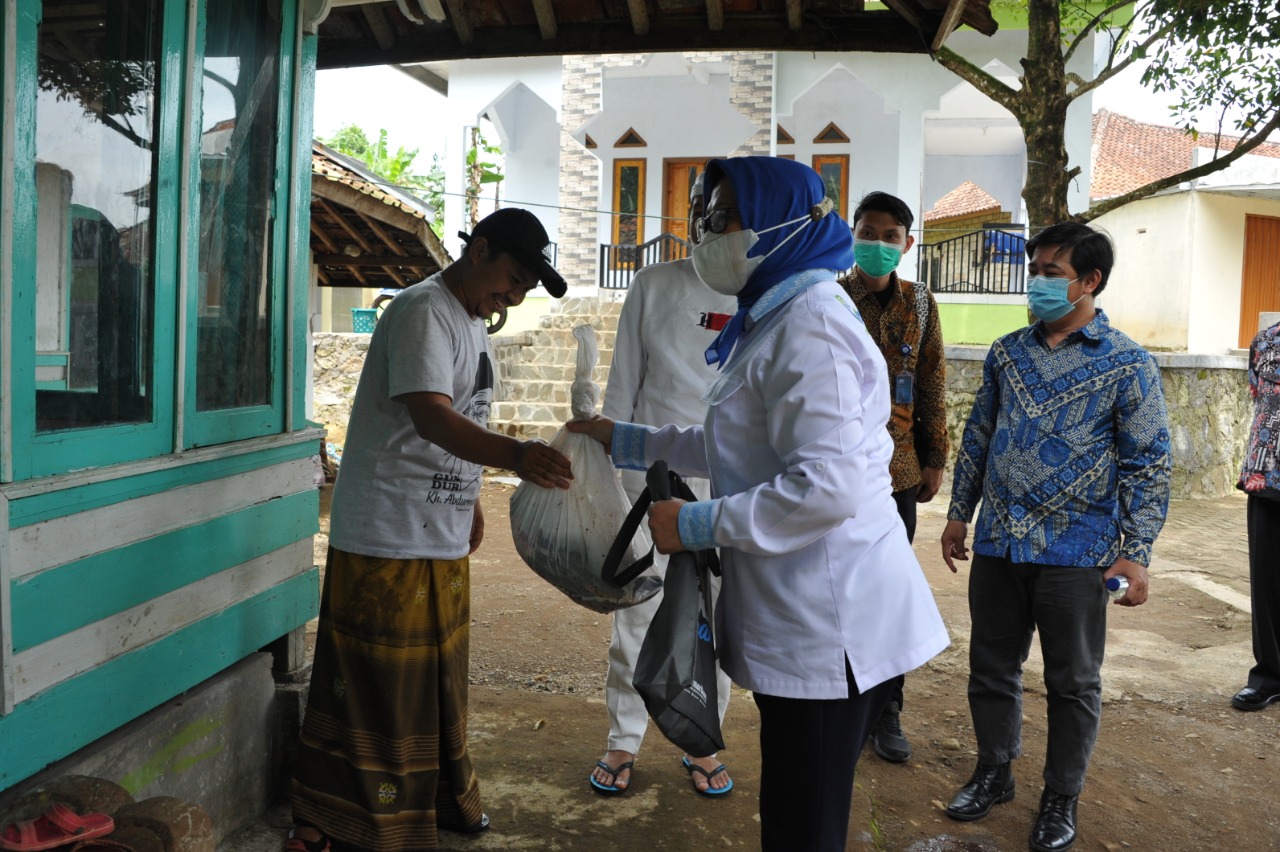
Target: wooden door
(675, 201)
(1260, 280)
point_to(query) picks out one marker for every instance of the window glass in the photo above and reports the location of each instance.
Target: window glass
(628, 192)
(834, 171)
(95, 177)
(238, 127)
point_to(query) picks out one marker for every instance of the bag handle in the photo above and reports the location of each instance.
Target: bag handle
(661, 484)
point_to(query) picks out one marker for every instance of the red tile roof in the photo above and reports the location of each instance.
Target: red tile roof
(967, 199)
(1128, 154)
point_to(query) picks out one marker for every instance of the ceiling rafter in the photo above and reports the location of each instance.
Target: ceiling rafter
(378, 26)
(795, 14)
(461, 23)
(950, 20)
(355, 235)
(715, 15)
(639, 16)
(546, 15)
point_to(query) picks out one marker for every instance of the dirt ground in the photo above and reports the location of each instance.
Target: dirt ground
(1176, 768)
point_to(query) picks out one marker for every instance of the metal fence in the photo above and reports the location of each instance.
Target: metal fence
(993, 260)
(620, 263)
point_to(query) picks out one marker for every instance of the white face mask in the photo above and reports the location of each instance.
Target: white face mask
(721, 259)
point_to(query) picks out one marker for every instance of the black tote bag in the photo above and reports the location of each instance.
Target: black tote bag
(676, 670)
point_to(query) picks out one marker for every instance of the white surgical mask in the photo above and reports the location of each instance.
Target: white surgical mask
(721, 261)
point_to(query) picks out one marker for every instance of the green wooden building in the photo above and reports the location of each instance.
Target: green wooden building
(157, 492)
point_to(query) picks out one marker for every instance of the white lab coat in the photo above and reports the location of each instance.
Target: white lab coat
(817, 567)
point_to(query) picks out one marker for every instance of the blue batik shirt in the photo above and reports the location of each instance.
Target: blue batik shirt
(1067, 449)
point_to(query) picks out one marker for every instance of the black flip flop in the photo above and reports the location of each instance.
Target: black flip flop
(607, 789)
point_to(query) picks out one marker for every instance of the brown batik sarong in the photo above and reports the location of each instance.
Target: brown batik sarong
(383, 759)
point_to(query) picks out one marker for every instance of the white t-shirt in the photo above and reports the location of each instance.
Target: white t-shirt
(397, 495)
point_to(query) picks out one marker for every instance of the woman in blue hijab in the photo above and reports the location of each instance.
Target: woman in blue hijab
(822, 602)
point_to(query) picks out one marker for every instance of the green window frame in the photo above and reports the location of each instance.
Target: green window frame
(204, 426)
(173, 422)
(32, 452)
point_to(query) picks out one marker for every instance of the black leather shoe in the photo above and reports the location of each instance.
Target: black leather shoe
(1253, 699)
(887, 740)
(990, 785)
(1055, 829)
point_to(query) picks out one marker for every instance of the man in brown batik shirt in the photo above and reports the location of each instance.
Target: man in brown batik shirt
(902, 318)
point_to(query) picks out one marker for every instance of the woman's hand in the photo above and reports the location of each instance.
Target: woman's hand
(664, 526)
(600, 428)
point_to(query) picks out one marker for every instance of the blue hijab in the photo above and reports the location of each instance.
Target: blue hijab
(772, 191)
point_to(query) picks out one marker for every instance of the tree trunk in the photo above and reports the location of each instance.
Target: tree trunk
(1041, 110)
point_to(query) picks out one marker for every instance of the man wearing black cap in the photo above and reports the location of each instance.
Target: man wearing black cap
(383, 761)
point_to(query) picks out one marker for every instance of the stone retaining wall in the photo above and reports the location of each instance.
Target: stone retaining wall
(1209, 414)
(1208, 397)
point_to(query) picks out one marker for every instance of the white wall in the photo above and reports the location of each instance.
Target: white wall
(474, 86)
(874, 146)
(680, 109)
(1218, 270)
(529, 134)
(1148, 294)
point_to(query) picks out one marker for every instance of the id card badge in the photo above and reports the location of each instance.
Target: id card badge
(903, 389)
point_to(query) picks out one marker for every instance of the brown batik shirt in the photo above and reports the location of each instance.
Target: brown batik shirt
(896, 329)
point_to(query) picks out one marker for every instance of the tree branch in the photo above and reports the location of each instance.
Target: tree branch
(1095, 23)
(1112, 70)
(1002, 94)
(1217, 164)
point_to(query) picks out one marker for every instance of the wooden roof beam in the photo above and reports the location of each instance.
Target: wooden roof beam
(950, 20)
(461, 23)
(378, 26)
(432, 81)
(639, 16)
(386, 238)
(795, 14)
(320, 235)
(546, 18)
(715, 15)
(383, 260)
(356, 236)
(877, 31)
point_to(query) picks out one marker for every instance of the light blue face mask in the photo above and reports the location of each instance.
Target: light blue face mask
(1047, 297)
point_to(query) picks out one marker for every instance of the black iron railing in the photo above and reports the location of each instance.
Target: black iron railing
(620, 263)
(993, 260)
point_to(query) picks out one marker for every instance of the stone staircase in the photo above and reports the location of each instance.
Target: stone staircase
(535, 368)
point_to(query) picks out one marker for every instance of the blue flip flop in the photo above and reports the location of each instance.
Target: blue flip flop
(710, 792)
(607, 789)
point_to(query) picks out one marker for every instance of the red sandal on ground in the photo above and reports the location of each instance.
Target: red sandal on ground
(293, 843)
(58, 826)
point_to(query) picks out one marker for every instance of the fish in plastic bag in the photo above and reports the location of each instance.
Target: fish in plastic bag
(564, 535)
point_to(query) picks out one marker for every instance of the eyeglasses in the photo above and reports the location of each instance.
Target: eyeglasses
(714, 222)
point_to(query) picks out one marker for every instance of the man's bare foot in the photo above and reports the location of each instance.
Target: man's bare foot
(708, 780)
(618, 775)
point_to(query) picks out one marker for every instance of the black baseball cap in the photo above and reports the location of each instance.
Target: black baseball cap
(519, 233)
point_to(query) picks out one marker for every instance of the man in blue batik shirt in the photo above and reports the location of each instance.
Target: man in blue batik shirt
(1067, 450)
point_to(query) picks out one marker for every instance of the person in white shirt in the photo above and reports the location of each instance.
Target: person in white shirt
(822, 602)
(658, 376)
(382, 762)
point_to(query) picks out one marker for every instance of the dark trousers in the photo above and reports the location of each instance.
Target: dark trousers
(1008, 602)
(905, 500)
(1264, 589)
(808, 753)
